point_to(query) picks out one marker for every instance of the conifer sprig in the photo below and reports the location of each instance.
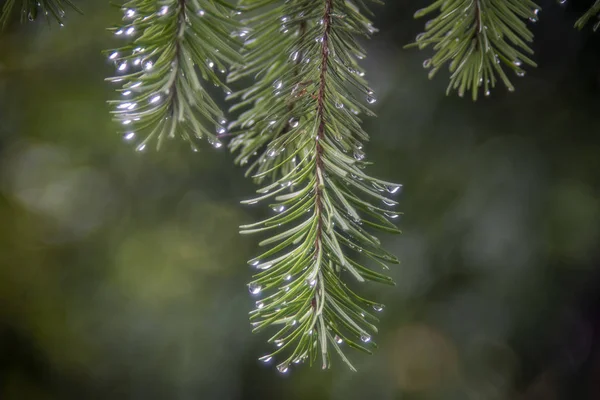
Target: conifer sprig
(592, 12)
(32, 9)
(478, 39)
(302, 134)
(176, 50)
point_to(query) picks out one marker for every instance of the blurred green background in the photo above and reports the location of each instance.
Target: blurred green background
(122, 275)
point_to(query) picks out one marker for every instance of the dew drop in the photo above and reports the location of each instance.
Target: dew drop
(427, 63)
(283, 368)
(201, 13)
(260, 305)
(254, 288)
(338, 339)
(113, 55)
(393, 188)
(294, 122)
(520, 73)
(365, 338)
(255, 263)
(371, 100)
(278, 208)
(378, 307)
(391, 215)
(123, 66)
(130, 30)
(266, 359)
(339, 105)
(141, 147)
(359, 154)
(215, 143)
(129, 135)
(155, 99)
(163, 10)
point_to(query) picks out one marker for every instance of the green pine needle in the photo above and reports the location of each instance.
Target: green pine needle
(300, 134)
(32, 9)
(592, 12)
(163, 95)
(478, 38)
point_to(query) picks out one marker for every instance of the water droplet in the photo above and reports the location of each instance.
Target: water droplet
(215, 143)
(278, 208)
(391, 215)
(129, 135)
(155, 99)
(371, 100)
(201, 13)
(427, 63)
(294, 122)
(312, 282)
(561, 2)
(254, 288)
(266, 359)
(339, 105)
(130, 30)
(148, 66)
(130, 13)
(393, 188)
(378, 307)
(338, 339)
(221, 130)
(260, 304)
(365, 338)
(119, 32)
(359, 154)
(288, 277)
(255, 263)
(389, 203)
(123, 66)
(141, 147)
(278, 84)
(520, 73)
(283, 368)
(163, 10)
(113, 55)
(420, 36)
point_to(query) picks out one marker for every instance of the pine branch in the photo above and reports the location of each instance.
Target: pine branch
(592, 12)
(478, 38)
(163, 95)
(32, 9)
(302, 131)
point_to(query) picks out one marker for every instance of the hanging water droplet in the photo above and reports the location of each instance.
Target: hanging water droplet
(338, 339)
(534, 18)
(487, 93)
(293, 122)
(278, 208)
(339, 105)
(266, 359)
(254, 288)
(378, 307)
(113, 55)
(283, 368)
(215, 143)
(393, 188)
(288, 277)
(371, 100)
(389, 203)
(129, 135)
(391, 215)
(201, 13)
(260, 305)
(311, 282)
(365, 338)
(130, 31)
(119, 32)
(427, 63)
(148, 66)
(561, 2)
(163, 10)
(359, 154)
(130, 13)
(520, 73)
(123, 66)
(141, 147)
(155, 99)
(255, 263)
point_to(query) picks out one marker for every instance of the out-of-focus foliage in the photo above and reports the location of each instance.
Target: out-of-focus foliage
(122, 275)
(32, 9)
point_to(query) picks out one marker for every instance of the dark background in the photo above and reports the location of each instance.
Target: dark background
(122, 275)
